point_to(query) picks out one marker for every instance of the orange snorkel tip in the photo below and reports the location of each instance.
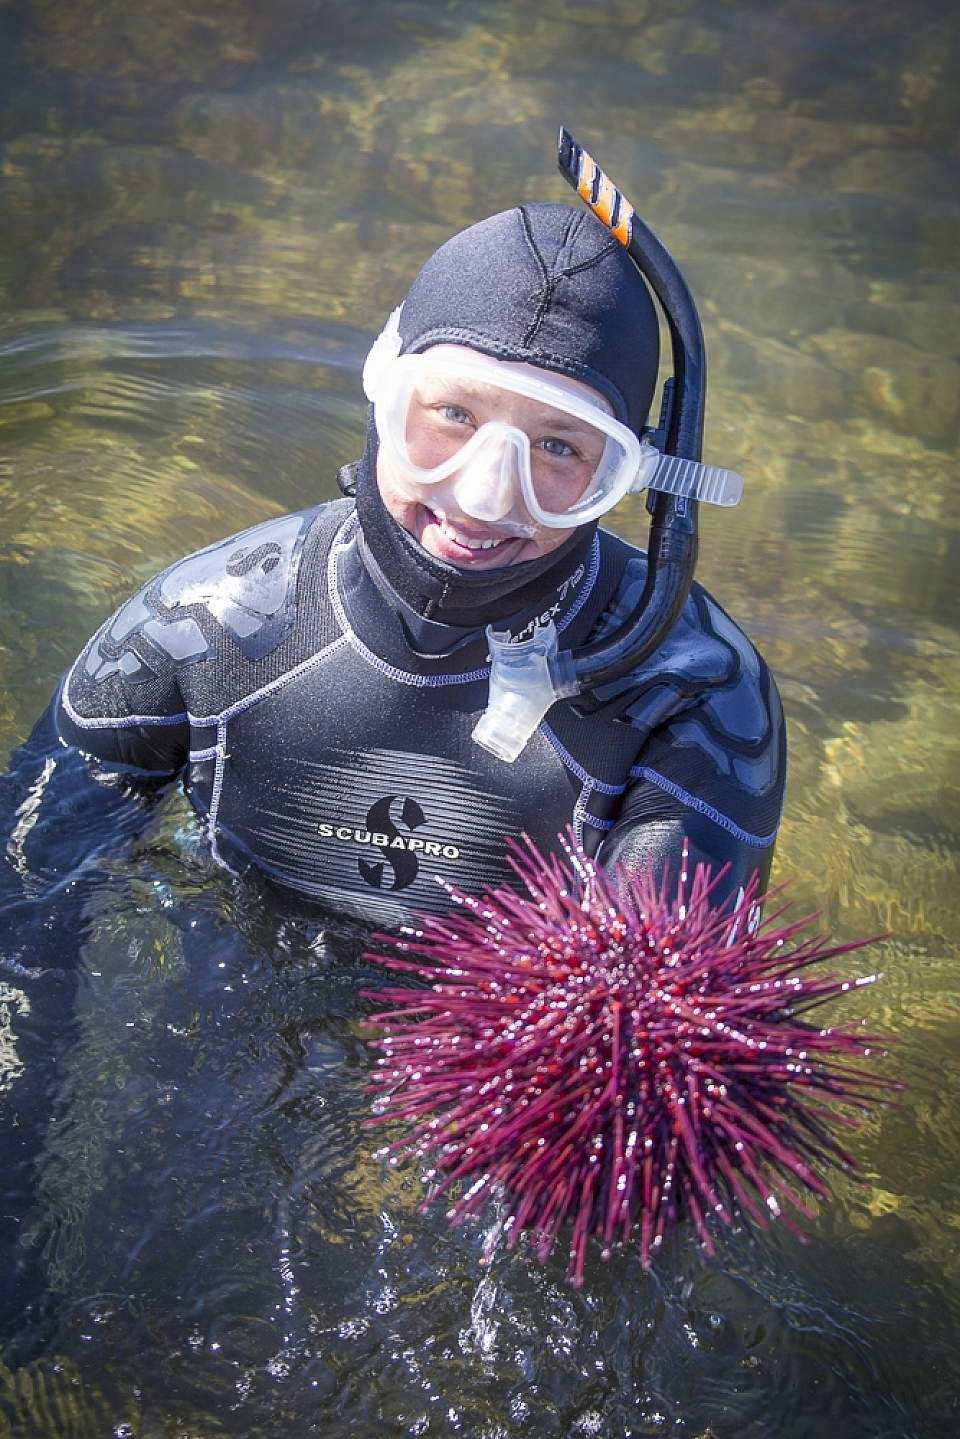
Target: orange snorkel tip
(595, 187)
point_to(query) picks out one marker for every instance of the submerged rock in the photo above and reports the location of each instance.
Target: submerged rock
(782, 376)
(913, 391)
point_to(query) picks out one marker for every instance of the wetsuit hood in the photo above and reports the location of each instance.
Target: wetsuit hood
(548, 285)
(543, 284)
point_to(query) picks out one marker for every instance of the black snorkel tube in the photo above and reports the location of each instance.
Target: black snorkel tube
(527, 676)
(672, 551)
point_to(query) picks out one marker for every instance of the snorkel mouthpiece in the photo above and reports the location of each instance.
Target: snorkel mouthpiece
(672, 548)
(526, 678)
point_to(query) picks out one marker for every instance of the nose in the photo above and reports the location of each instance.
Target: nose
(488, 485)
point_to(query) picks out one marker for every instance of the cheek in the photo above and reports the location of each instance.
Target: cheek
(561, 495)
(395, 501)
(430, 442)
(558, 485)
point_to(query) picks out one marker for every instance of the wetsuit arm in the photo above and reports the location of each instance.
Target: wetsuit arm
(120, 704)
(633, 844)
(152, 751)
(62, 829)
(715, 775)
(58, 815)
(112, 738)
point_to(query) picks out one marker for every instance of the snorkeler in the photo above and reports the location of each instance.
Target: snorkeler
(317, 681)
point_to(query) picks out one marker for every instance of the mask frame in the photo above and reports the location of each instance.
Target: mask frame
(390, 380)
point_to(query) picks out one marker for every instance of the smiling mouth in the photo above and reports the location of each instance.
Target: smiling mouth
(476, 543)
(469, 542)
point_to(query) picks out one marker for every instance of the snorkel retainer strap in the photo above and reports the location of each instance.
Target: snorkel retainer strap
(672, 552)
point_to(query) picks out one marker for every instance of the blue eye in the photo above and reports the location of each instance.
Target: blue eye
(558, 448)
(456, 414)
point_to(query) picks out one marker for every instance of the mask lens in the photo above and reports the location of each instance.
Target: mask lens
(566, 468)
(442, 416)
(571, 462)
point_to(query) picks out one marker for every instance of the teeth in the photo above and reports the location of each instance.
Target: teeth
(468, 544)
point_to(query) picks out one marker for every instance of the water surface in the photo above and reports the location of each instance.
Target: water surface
(208, 213)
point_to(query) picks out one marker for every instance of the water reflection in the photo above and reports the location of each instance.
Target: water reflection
(208, 211)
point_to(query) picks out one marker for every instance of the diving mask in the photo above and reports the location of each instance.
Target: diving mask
(513, 445)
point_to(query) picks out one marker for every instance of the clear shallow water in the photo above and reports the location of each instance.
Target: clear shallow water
(208, 212)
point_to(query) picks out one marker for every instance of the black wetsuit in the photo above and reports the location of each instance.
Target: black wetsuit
(321, 744)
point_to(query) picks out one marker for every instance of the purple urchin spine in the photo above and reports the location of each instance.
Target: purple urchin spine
(616, 1053)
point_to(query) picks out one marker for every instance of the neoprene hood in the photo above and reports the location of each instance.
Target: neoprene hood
(549, 285)
(544, 284)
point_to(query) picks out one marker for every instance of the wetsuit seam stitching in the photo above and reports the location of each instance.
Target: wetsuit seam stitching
(547, 284)
(113, 721)
(579, 811)
(569, 228)
(582, 815)
(585, 593)
(669, 786)
(121, 721)
(216, 791)
(601, 786)
(205, 721)
(248, 701)
(588, 264)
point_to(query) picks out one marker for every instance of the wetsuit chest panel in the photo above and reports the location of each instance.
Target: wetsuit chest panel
(346, 782)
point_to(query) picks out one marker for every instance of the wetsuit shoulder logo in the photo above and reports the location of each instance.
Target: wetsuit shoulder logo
(246, 583)
(401, 850)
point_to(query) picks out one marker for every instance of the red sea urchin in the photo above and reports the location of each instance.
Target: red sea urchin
(617, 1055)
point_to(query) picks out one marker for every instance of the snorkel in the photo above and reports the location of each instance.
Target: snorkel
(527, 678)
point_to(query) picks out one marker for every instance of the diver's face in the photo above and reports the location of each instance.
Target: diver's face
(477, 519)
